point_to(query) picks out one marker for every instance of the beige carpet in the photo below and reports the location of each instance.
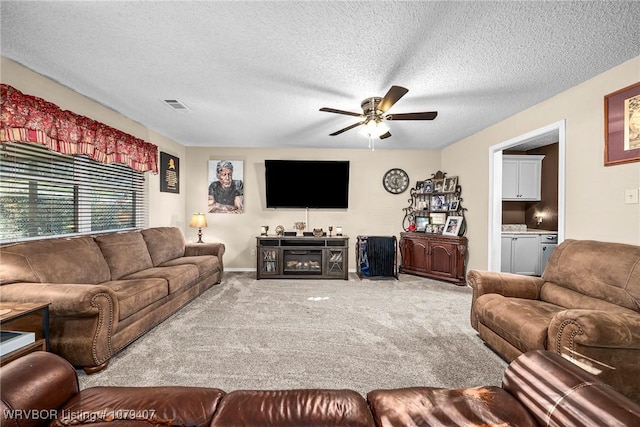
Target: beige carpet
(281, 334)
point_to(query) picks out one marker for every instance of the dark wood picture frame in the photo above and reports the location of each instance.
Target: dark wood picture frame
(169, 173)
(617, 125)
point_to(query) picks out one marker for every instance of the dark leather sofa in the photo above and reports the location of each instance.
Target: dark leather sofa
(539, 388)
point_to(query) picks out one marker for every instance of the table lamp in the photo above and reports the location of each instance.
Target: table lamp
(198, 220)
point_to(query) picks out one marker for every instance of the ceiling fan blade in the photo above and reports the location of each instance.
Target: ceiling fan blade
(385, 135)
(346, 129)
(430, 115)
(392, 96)
(348, 113)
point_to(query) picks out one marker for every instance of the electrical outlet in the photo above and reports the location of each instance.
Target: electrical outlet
(631, 196)
(253, 252)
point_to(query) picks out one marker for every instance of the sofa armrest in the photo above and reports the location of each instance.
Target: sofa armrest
(507, 284)
(83, 317)
(594, 328)
(196, 249)
(559, 393)
(78, 300)
(33, 389)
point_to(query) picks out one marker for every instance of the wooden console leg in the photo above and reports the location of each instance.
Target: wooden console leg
(93, 369)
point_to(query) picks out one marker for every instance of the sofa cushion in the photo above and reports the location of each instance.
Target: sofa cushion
(581, 265)
(63, 260)
(164, 243)
(523, 323)
(177, 276)
(135, 294)
(309, 408)
(426, 406)
(141, 406)
(125, 253)
(205, 263)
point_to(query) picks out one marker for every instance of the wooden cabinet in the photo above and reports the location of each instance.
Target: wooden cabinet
(521, 177)
(435, 256)
(302, 257)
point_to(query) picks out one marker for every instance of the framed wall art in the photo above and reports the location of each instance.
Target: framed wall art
(622, 126)
(226, 186)
(169, 173)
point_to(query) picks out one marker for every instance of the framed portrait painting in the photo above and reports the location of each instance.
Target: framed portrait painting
(622, 126)
(226, 186)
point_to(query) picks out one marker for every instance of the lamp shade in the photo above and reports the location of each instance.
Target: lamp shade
(198, 220)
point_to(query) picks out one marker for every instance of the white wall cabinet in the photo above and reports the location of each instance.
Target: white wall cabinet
(521, 254)
(521, 177)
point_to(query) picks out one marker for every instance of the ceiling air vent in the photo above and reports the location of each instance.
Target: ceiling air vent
(174, 104)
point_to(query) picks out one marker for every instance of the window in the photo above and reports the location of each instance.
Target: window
(47, 194)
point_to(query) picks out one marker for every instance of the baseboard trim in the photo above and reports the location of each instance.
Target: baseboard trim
(243, 269)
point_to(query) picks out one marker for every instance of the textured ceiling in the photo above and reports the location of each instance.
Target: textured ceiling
(254, 74)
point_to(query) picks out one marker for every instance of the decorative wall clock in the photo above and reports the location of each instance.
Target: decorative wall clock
(395, 181)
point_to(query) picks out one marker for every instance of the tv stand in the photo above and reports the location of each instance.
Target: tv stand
(288, 257)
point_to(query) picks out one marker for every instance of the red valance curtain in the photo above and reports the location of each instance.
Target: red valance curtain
(26, 118)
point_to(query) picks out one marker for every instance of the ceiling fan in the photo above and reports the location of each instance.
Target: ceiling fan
(373, 113)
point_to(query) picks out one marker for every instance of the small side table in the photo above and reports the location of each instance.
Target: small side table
(14, 312)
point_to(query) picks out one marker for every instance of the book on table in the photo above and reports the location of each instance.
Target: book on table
(14, 340)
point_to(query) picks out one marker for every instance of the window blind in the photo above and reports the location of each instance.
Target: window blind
(47, 194)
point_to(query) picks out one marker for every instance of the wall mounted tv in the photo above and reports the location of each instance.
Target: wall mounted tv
(317, 184)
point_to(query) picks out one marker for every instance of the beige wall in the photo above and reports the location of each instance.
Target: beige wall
(164, 208)
(372, 210)
(595, 206)
(595, 194)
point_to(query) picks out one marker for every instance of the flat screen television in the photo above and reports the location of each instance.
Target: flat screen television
(317, 184)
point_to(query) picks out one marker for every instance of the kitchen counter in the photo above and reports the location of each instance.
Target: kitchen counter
(522, 229)
(530, 231)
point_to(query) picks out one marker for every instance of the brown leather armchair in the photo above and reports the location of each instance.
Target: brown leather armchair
(585, 306)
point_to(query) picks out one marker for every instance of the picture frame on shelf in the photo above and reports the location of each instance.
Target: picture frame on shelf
(622, 126)
(421, 223)
(427, 186)
(438, 218)
(438, 185)
(450, 184)
(454, 205)
(434, 228)
(437, 202)
(453, 225)
(420, 187)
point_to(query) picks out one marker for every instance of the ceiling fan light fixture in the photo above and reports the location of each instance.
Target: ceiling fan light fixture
(374, 128)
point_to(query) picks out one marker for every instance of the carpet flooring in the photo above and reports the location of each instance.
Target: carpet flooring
(283, 334)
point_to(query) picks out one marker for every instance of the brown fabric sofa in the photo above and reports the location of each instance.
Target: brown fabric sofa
(539, 388)
(586, 306)
(106, 291)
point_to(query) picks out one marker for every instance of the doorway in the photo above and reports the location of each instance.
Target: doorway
(551, 134)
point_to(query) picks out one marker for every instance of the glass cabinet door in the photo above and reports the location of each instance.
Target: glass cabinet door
(335, 262)
(268, 261)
